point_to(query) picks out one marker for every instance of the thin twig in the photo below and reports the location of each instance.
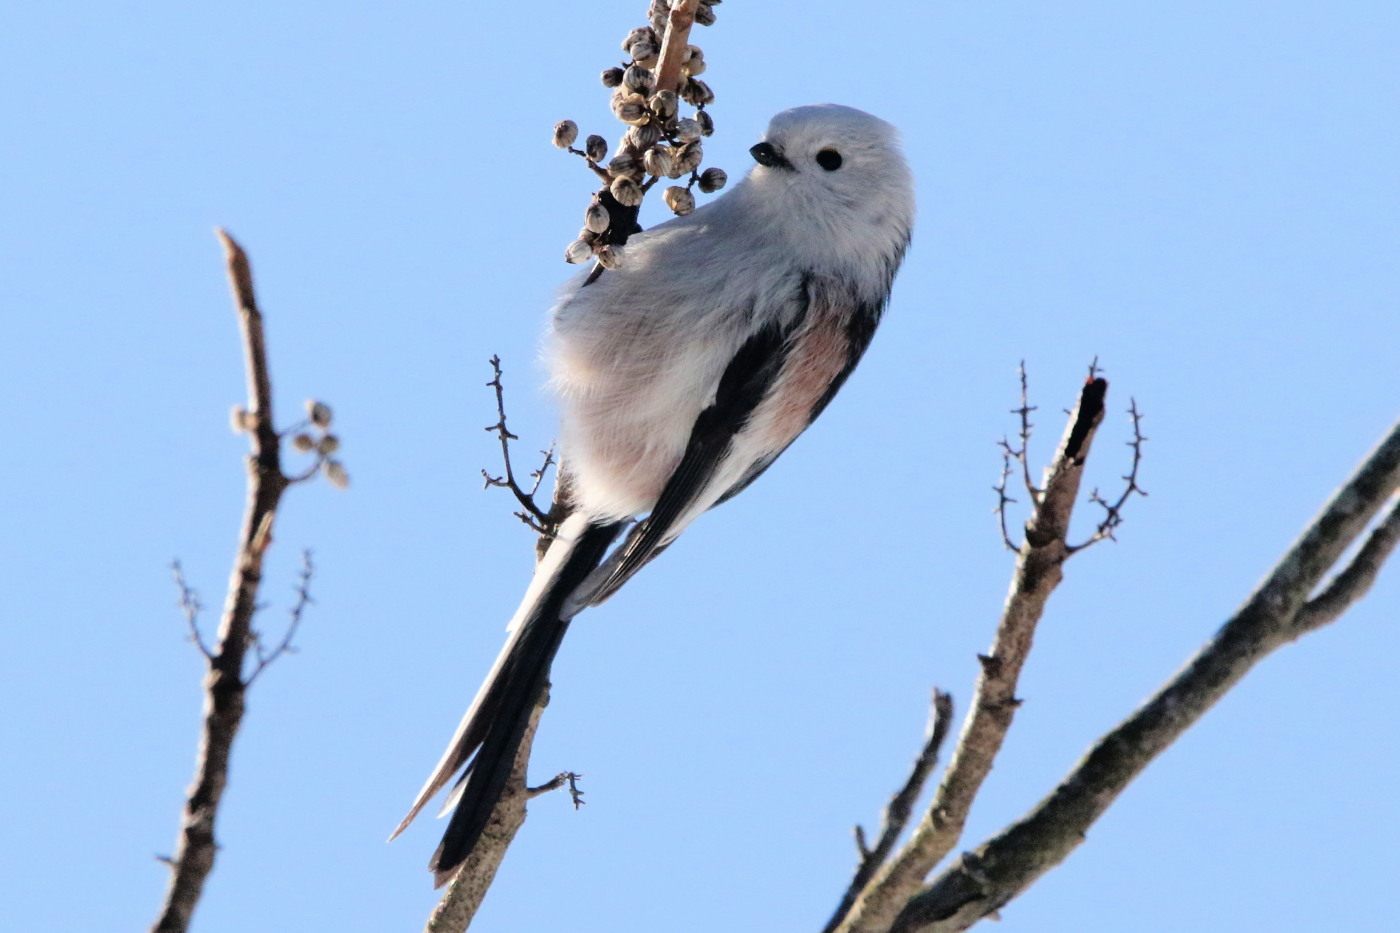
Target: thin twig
(190, 607)
(898, 810)
(535, 517)
(303, 591)
(1023, 453)
(1113, 511)
(559, 780)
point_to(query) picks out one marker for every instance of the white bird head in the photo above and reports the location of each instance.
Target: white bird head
(840, 172)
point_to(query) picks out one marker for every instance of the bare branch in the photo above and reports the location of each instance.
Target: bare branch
(1355, 580)
(1278, 612)
(559, 780)
(898, 810)
(465, 892)
(1038, 572)
(668, 68)
(223, 684)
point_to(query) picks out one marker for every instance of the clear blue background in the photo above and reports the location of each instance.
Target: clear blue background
(1203, 195)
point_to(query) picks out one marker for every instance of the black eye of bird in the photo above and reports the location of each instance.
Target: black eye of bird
(829, 159)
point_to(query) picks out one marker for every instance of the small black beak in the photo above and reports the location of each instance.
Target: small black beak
(767, 154)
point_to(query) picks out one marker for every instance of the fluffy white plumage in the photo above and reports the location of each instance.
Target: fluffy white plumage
(682, 374)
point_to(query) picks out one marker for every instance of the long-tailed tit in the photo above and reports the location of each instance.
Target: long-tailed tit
(682, 375)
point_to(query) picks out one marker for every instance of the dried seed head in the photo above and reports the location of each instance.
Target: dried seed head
(704, 14)
(689, 157)
(664, 104)
(659, 14)
(627, 192)
(597, 218)
(565, 132)
(625, 165)
(319, 413)
(327, 445)
(335, 473)
(645, 136)
(588, 236)
(596, 148)
(657, 161)
(707, 125)
(639, 79)
(688, 129)
(632, 109)
(609, 257)
(679, 200)
(713, 179)
(693, 63)
(697, 92)
(578, 252)
(612, 77)
(646, 55)
(640, 34)
(302, 443)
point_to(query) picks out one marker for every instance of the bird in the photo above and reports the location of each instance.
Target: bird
(681, 375)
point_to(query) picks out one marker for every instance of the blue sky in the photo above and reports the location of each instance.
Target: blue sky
(1203, 196)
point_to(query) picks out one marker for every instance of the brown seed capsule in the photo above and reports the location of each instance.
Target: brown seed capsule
(679, 200)
(697, 92)
(640, 34)
(689, 157)
(303, 443)
(645, 54)
(625, 165)
(578, 252)
(664, 104)
(596, 218)
(596, 148)
(335, 473)
(645, 136)
(612, 77)
(704, 14)
(632, 109)
(657, 161)
(639, 79)
(688, 129)
(707, 125)
(609, 257)
(565, 132)
(627, 192)
(713, 179)
(319, 413)
(693, 68)
(327, 445)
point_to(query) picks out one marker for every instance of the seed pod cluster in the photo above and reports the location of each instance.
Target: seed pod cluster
(658, 143)
(316, 438)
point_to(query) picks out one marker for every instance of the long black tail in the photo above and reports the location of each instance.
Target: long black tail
(495, 724)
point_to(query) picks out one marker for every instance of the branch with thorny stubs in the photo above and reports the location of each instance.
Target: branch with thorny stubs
(1286, 606)
(226, 682)
(1040, 560)
(532, 515)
